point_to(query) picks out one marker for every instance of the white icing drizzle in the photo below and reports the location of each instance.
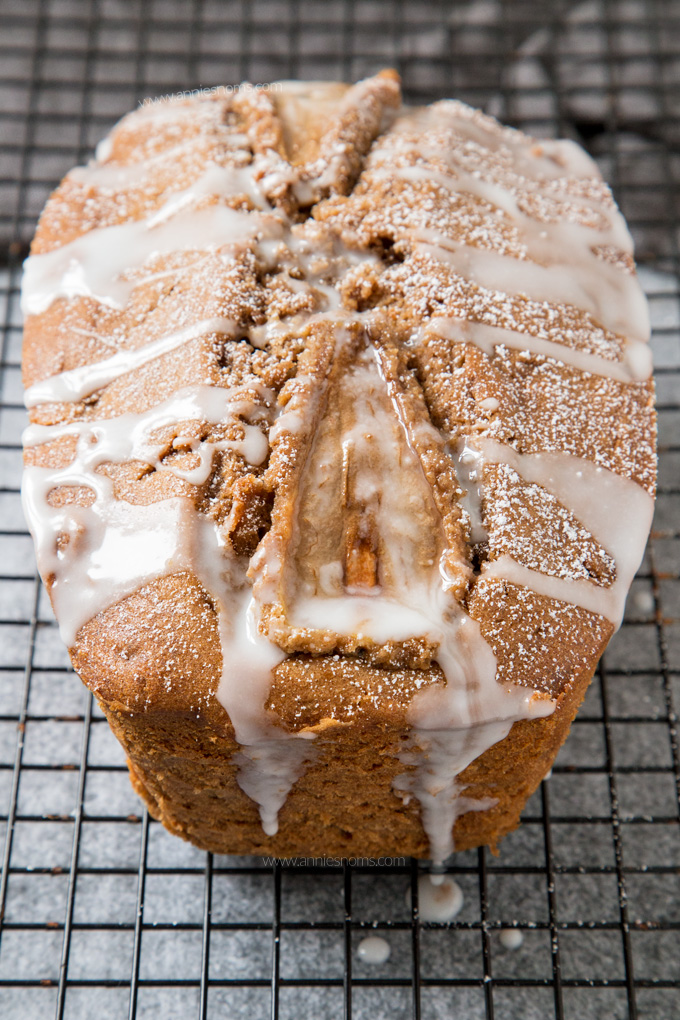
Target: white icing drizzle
(114, 547)
(86, 570)
(127, 436)
(562, 265)
(534, 159)
(613, 298)
(106, 175)
(270, 759)
(572, 239)
(78, 383)
(453, 725)
(635, 366)
(103, 149)
(80, 547)
(538, 161)
(109, 176)
(615, 510)
(101, 264)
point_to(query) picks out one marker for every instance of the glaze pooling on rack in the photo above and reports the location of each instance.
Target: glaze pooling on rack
(389, 577)
(440, 898)
(373, 950)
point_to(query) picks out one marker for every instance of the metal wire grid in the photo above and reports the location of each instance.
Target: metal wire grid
(103, 913)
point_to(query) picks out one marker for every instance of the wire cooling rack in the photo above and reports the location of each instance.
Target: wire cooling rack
(103, 913)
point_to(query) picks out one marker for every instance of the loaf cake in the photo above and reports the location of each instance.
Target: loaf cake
(341, 459)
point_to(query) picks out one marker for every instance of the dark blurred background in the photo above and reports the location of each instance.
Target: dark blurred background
(606, 72)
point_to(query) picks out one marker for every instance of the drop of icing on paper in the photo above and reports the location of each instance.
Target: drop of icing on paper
(644, 601)
(374, 950)
(511, 938)
(437, 901)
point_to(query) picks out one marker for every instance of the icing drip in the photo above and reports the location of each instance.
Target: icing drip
(453, 725)
(270, 759)
(79, 548)
(89, 572)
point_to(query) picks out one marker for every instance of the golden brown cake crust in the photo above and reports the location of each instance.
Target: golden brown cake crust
(358, 188)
